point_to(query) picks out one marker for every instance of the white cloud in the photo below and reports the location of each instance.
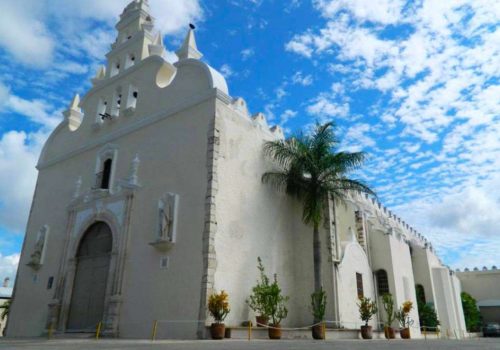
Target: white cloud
(226, 71)
(24, 28)
(299, 78)
(4, 95)
(436, 65)
(357, 138)
(8, 267)
(382, 11)
(287, 115)
(324, 107)
(247, 53)
(280, 92)
(22, 34)
(38, 111)
(19, 153)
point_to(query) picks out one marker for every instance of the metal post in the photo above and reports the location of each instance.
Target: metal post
(425, 333)
(98, 330)
(249, 330)
(153, 333)
(49, 335)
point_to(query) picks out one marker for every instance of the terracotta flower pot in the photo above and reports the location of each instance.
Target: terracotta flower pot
(217, 330)
(389, 333)
(366, 332)
(274, 331)
(261, 320)
(405, 333)
(317, 332)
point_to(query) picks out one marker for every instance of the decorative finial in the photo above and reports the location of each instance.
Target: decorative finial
(188, 48)
(78, 186)
(157, 48)
(74, 105)
(134, 170)
(192, 26)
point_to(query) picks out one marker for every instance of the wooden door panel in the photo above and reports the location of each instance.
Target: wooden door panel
(90, 281)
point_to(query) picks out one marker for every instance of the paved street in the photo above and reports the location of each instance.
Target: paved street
(78, 344)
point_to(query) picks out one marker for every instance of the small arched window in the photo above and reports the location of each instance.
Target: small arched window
(106, 173)
(382, 282)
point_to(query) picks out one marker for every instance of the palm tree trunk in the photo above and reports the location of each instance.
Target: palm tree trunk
(318, 283)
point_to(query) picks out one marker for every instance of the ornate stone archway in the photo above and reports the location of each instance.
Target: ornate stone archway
(84, 211)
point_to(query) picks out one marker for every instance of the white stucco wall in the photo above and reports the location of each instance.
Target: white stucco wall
(354, 260)
(254, 219)
(168, 131)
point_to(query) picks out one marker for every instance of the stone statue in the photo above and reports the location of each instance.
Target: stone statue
(37, 255)
(165, 221)
(167, 208)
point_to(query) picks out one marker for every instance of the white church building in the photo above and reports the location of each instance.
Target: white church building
(149, 198)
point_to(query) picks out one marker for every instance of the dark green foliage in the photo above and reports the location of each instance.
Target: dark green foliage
(426, 313)
(367, 308)
(256, 301)
(275, 303)
(318, 304)
(388, 303)
(6, 308)
(311, 169)
(471, 313)
(266, 298)
(427, 316)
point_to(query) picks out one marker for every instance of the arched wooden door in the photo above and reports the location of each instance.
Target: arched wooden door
(91, 276)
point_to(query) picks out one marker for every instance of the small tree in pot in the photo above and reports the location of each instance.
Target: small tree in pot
(402, 315)
(367, 308)
(275, 307)
(218, 306)
(256, 300)
(388, 303)
(318, 307)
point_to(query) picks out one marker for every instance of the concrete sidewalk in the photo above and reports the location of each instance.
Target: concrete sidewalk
(112, 344)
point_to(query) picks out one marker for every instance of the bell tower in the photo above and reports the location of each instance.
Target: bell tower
(135, 40)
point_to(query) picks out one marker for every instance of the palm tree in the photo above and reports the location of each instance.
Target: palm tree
(6, 307)
(312, 169)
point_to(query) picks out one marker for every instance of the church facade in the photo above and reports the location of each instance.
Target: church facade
(149, 198)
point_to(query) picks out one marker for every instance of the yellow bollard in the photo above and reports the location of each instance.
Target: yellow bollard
(323, 330)
(153, 333)
(437, 332)
(447, 333)
(249, 330)
(425, 333)
(98, 331)
(49, 335)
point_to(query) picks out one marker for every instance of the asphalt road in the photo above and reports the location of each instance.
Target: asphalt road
(90, 344)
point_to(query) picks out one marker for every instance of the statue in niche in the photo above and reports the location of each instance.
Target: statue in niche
(38, 250)
(167, 212)
(165, 221)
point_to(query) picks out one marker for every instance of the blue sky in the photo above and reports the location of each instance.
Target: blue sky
(414, 84)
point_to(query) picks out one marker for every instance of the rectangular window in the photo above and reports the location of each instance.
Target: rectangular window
(359, 284)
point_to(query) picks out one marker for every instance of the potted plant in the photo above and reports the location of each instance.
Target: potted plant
(404, 319)
(367, 308)
(256, 299)
(318, 307)
(218, 306)
(275, 307)
(388, 303)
